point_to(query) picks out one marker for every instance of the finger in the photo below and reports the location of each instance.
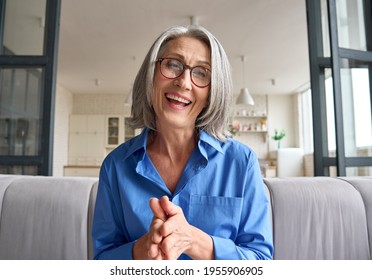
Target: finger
(156, 237)
(153, 251)
(156, 209)
(168, 207)
(171, 247)
(175, 216)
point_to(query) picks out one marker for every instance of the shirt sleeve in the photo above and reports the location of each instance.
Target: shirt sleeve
(254, 240)
(108, 226)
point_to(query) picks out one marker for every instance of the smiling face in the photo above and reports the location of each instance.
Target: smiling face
(177, 102)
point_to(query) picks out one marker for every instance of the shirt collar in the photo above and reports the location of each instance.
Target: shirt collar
(211, 141)
(137, 143)
(140, 142)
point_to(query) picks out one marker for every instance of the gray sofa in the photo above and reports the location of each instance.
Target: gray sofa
(313, 217)
(46, 217)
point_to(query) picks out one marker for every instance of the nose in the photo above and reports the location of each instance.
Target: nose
(184, 81)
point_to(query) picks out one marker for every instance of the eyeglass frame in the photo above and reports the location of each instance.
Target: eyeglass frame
(185, 66)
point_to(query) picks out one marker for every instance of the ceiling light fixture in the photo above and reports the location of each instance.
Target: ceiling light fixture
(244, 97)
(194, 20)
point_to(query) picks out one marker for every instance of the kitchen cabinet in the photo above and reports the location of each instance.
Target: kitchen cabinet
(86, 140)
(92, 137)
(114, 131)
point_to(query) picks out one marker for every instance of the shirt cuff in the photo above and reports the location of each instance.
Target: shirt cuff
(123, 252)
(224, 249)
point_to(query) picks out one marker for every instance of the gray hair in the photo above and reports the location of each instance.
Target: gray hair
(214, 118)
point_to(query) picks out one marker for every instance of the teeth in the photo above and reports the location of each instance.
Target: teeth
(177, 98)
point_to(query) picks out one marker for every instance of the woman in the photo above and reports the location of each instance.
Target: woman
(182, 189)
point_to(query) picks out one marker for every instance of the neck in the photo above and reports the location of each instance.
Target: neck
(174, 144)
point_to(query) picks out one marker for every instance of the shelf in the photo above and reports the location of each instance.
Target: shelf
(263, 133)
(250, 124)
(253, 131)
(250, 117)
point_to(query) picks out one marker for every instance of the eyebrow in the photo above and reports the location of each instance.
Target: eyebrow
(181, 57)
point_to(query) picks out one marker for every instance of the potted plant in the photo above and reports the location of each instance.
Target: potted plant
(278, 136)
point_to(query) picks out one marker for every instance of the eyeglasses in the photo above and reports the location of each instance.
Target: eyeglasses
(172, 68)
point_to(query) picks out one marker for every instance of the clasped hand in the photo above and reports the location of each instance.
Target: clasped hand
(169, 235)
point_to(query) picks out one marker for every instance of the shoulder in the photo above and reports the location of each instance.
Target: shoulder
(239, 149)
(230, 149)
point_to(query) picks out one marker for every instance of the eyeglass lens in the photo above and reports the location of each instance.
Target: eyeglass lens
(172, 68)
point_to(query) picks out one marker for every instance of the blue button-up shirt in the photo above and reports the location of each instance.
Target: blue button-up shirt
(220, 191)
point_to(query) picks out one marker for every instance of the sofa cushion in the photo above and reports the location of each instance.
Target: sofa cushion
(317, 218)
(45, 218)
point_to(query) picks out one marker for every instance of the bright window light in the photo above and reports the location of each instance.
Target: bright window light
(362, 107)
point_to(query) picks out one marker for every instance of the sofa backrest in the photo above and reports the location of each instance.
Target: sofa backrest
(5, 181)
(313, 217)
(320, 218)
(46, 218)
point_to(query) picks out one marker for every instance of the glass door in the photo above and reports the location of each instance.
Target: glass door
(340, 44)
(28, 36)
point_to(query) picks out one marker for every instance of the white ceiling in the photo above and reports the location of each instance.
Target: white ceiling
(108, 39)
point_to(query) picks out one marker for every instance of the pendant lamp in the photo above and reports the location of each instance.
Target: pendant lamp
(244, 97)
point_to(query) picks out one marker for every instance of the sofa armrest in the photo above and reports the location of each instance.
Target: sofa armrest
(46, 218)
(318, 218)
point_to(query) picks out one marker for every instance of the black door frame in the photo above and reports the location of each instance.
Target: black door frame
(47, 62)
(318, 65)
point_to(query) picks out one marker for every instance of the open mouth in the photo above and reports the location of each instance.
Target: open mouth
(179, 101)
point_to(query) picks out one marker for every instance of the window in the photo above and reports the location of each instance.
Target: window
(357, 119)
(28, 44)
(362, 108)
(340, 64)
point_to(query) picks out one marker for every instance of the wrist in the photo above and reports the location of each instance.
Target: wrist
(201, 246)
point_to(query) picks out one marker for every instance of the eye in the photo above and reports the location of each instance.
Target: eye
(200, 72)
(174, 65)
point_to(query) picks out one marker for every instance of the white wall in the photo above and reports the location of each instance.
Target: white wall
(100, 104)
(282, 115)
(281, 111)
(64, 104)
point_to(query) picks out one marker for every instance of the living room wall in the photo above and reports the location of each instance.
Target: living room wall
(63, 109)
(282, 114)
